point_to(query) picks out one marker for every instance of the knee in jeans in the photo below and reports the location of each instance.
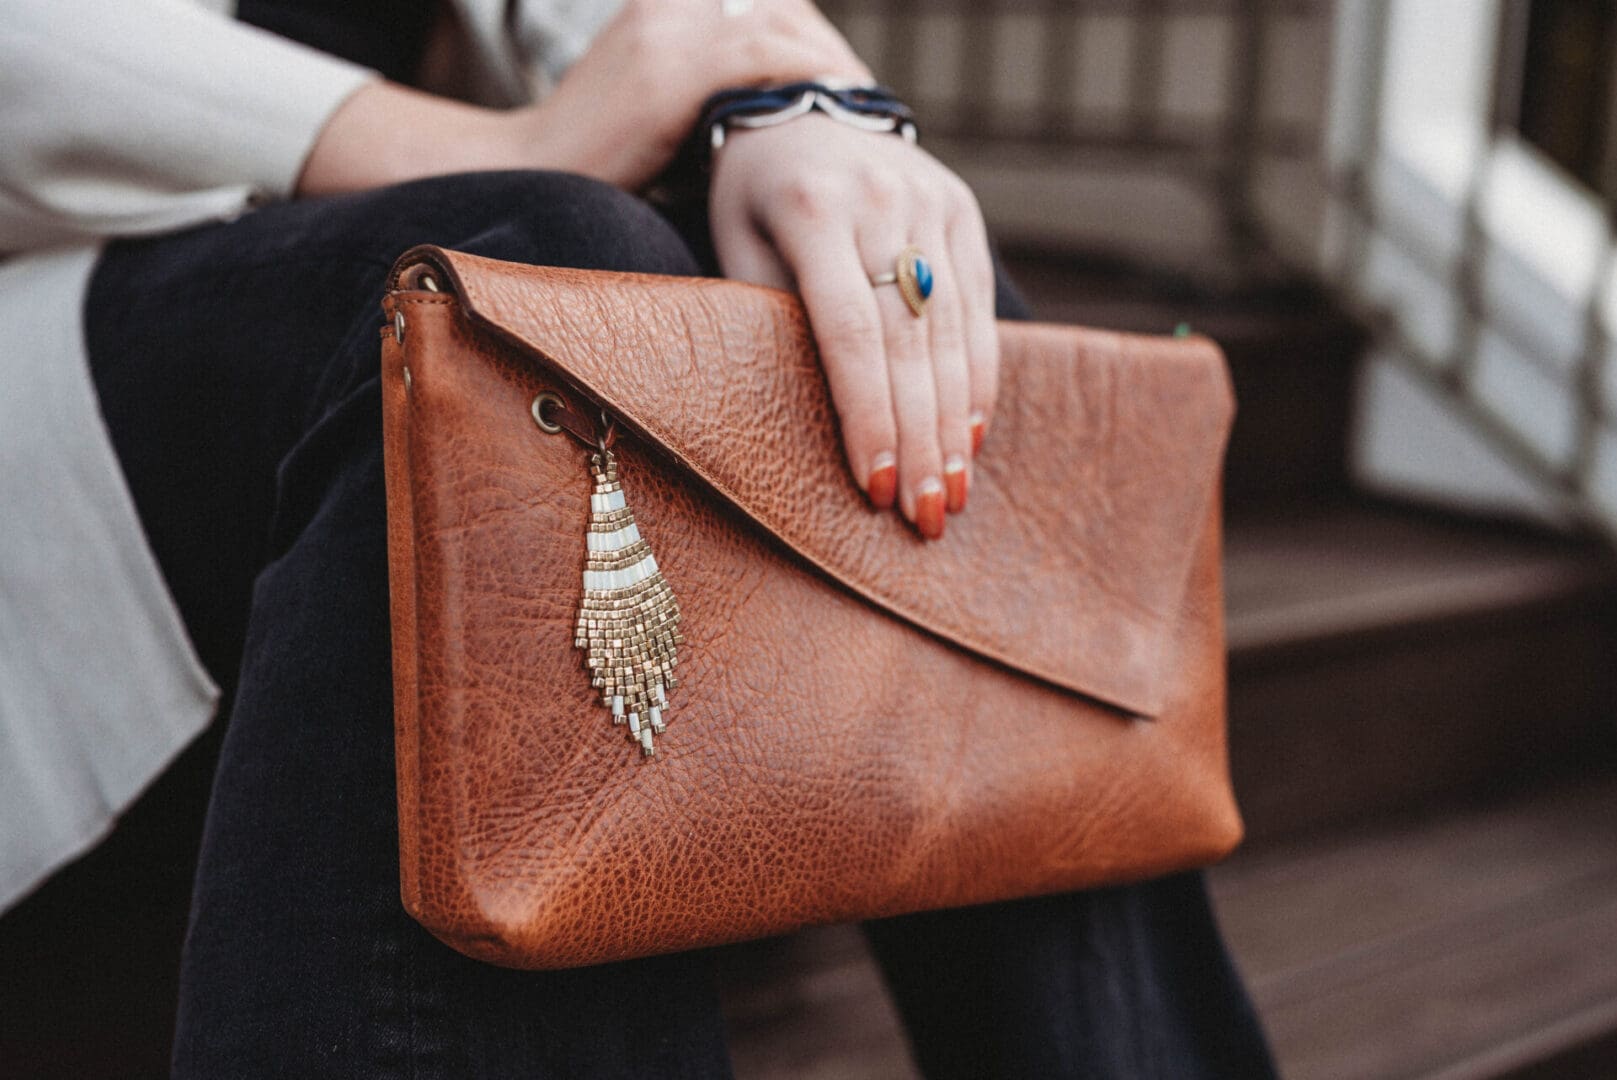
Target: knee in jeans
(544, 218)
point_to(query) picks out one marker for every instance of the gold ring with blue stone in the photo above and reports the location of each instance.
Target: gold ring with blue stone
(913, 276)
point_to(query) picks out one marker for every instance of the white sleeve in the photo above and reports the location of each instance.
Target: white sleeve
(551, 34)
(147, 115)
(515, 50)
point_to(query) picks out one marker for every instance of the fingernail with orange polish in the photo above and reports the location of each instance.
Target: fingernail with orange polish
(977, 429)
(883, 483)
(929, 508)
(956, 482)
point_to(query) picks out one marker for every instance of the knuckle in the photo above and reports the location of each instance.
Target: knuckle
(851, 334)
(907, 353)
(882, 187)
(926, 192)
(957, 192)
(811, 195)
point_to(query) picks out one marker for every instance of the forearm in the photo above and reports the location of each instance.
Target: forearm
(387, 134)
(619, 114)
(131, 118)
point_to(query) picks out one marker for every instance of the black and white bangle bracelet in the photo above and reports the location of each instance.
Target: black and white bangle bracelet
(869, 108)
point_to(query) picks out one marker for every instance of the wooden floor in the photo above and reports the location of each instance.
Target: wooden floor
(1452, 947)
(1385, 660)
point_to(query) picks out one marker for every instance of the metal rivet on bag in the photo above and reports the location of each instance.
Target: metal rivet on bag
(549, 427)
(398, 327)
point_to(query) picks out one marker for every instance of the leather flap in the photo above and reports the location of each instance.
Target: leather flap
(1071, 561)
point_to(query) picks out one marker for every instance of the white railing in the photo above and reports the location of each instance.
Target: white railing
(1359, 140)
(1489, 270)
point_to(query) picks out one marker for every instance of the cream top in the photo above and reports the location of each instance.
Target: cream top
(123, 119)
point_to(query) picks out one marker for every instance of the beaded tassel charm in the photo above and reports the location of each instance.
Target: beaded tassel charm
(628, 622)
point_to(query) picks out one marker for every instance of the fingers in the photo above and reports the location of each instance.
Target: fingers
(775, 56)
(779, 42)
(913, 383)
(904, 387)
(839, 206)
(848, 328)
(934, 418)
(803, 17)
(946, 319)
(974, 277)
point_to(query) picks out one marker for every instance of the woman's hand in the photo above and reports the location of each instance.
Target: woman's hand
(622, 111)
(820, 206)
(619, 114)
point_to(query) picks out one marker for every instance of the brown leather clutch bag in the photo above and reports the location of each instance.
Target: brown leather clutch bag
(620, 522)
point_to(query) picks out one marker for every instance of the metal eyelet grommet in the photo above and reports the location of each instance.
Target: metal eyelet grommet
(549, 427)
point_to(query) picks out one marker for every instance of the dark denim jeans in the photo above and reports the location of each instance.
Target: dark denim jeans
(237, 368)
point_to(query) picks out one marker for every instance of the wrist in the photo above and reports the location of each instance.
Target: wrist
(557, 134)
(867, 107)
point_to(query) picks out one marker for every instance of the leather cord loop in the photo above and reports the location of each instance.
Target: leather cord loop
(552, 406)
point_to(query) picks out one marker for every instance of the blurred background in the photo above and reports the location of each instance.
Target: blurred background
(1397, 218)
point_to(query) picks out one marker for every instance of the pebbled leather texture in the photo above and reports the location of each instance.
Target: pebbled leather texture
(866, 724)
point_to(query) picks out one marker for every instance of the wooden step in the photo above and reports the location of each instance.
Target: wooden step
(1383, 659)
(1477, 944)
